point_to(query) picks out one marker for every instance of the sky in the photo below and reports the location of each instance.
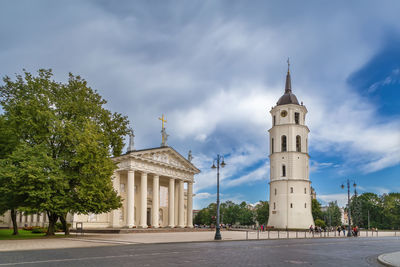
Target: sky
(215, 69)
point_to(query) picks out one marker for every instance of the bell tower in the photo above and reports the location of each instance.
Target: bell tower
(290, 199)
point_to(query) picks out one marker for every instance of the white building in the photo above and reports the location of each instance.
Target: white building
(290, 200)
(156, 187)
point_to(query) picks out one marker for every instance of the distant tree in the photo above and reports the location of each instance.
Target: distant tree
(230, 212)
(246, 216)
(332, 215)
(320, 223)
(262, 212)
(316, 210)
(73, 128)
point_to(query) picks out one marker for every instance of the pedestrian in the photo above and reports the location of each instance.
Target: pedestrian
(344, 230)
(311, 229)
(339, 229)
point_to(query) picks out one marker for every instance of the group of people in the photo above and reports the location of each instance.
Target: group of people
(317, 229)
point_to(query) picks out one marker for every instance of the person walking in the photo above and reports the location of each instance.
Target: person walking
(344, 230)
(339, 229)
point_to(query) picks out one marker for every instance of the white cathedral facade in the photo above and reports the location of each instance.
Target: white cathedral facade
(290, 200)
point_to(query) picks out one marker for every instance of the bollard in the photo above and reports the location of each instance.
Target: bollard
(313, 234)
(296, 234)
(376, 233)
(258, 234)
(278, 234)
(395, 233)
(305, 234)
(367, 233)
(247, 235)
(320, 234)
(268, 233)
(287, 234)
(372, 232)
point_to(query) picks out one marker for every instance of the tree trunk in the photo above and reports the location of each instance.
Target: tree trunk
(64, 223)
(52, 223)
(14, 221)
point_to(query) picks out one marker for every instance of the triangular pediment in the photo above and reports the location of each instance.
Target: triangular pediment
(166, 156)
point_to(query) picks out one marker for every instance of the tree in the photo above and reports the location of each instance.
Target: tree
(262, 212)
(320, 223)
(333, 216)
(76, 132)
(230, 212)
(316, 209)
(246, 216)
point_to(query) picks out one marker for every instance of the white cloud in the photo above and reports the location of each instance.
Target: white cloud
(340, 198)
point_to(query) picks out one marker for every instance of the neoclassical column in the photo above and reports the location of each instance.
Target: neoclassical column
(116, 212)
(171, 203)
(41, 216)
(181, 206)
(189, 209)
(156, 201)
(131, 199)
(176, 203)
(143, 201)
(34, 219)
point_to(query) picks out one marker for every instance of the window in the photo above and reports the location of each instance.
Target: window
(297, 117)
(298, 143)
(305, 205)
(291, 205)
(275, 191)
(274, 205)
(274, 120)
(283, 170)
(291, 190)
(283, 143)
(272, 145)
(305, 190)
(122, 187)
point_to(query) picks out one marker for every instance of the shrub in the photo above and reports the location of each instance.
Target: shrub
(38, 230)
(320, 223)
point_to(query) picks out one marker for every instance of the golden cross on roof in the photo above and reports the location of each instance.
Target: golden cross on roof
(162, 119)
(288, 64)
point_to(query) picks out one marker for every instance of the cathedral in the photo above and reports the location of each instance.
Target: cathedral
(290, 190)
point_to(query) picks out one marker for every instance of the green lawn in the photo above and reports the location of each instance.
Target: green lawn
(6, 234)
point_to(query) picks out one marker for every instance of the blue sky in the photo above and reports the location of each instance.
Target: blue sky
(215, 68)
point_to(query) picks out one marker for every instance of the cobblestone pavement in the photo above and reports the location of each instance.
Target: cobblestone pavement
(284, 252)
(90, 240)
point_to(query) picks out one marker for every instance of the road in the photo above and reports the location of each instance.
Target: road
(289, 252)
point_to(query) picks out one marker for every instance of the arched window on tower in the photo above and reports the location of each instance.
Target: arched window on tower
(272, 145)
(283, 142)
(274, 120)
(283, 170)
(291, 190)
(274, 205)
(298, 143)
(275, 191)
(305, 190)
(297, 117)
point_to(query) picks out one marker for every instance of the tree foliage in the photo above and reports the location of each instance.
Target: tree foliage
(316, 210)
(72, 137)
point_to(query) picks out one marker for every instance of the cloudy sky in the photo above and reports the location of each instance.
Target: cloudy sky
(215, 69)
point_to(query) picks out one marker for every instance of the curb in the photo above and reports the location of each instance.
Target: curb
(382, 261)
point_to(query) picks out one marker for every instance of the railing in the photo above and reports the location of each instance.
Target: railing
(293, 234)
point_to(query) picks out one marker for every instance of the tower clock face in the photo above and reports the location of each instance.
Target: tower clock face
(283, 113)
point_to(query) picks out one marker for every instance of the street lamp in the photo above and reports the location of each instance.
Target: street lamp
(222, 164)
(348, 204)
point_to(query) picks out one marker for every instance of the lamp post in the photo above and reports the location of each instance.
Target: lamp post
(348, 204)
(222, 164)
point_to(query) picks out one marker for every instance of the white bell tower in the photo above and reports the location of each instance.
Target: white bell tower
(290, 198)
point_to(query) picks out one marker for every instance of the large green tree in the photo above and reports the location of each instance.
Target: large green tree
(70, 123)
(262, 212)
(316, 210)
(332, 216)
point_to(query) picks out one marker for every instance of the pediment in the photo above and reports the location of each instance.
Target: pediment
(165, 156)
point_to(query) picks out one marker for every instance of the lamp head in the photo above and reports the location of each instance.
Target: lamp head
(354, 184)
(342, 186)
(223, 163)
(213, 166)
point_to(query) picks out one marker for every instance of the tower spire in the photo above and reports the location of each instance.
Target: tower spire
(288, 86)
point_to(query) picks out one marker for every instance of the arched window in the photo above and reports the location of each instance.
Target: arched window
(283, 142)
(274, 205)
(305, 190)
(274, 119)
(298, 143)
(283, 170)
(291, 190)
(305, 205)
(291, 205)
(297, 117)
(272, 145)
(275, 191)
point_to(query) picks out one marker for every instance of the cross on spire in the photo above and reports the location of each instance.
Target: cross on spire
(288, 65)
(288, 85)
(162, 119)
